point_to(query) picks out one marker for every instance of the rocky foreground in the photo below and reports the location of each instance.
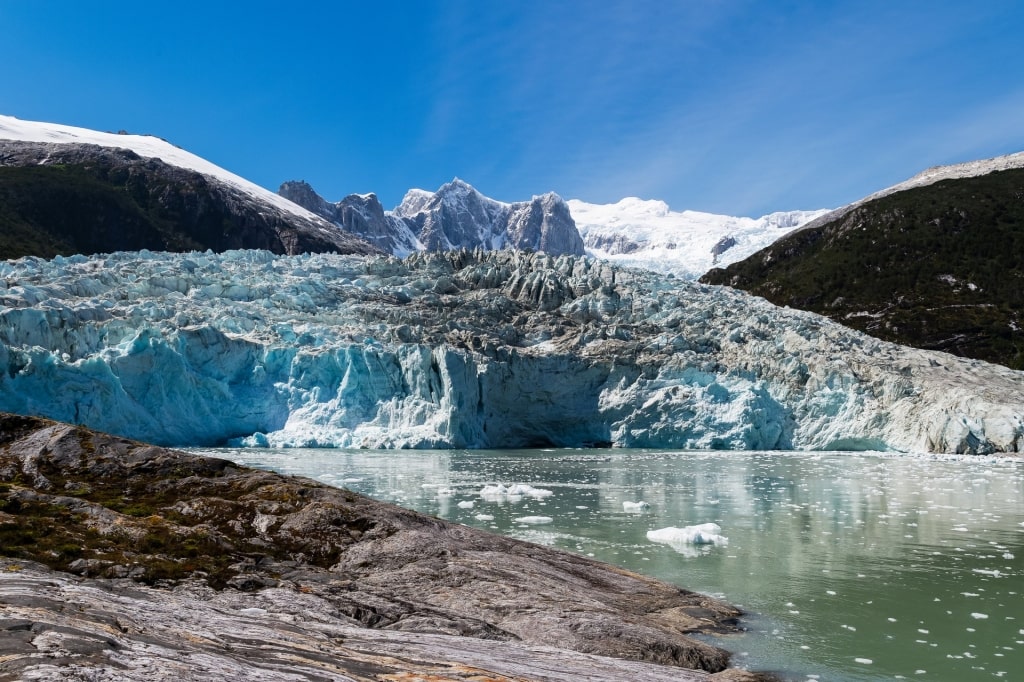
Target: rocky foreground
(124, 561)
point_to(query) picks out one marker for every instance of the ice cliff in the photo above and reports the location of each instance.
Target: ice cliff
(466, 349)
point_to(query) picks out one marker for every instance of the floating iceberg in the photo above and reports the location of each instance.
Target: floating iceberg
(635, 506)
(701, 534)
(517, 491)
(533, 520)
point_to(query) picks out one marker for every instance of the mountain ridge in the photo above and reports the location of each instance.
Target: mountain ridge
(632, 232)
(65, 190)
(456, 216)
(934, 262)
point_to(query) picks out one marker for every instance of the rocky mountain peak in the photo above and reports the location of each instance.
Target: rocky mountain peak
(413, 202)
(303, 194)
(456, 216)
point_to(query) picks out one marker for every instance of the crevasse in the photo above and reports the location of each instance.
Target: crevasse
(466, 349)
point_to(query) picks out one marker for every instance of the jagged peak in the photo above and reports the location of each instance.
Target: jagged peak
(458, 182)
(549, 198)
(290, 184)
(367, 197)
(458, 187)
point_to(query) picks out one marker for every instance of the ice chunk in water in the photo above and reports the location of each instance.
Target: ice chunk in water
(533, 519)
(701, 534)
(499, 492)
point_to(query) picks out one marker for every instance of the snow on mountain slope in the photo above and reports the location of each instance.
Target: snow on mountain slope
(645, 233)
(467, 349)
(146, 146)
(926, 177)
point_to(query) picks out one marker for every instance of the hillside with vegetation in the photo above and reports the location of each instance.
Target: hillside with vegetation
(63, 199)
(937, 267)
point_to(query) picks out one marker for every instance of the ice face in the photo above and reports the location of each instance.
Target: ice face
(466, 350)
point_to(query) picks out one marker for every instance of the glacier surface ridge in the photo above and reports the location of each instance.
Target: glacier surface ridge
(466, 349)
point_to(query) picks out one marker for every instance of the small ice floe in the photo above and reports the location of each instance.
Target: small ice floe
(640, 506)
(533, 519)
(445, 492)
(466, 504)
(994, 572)
(979, 616)
(483, 517)
(513, 493)
(863, 661)
(684, 539)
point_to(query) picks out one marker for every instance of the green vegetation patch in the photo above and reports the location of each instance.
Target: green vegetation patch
(104, 206)
(938, 267)
(107, 507)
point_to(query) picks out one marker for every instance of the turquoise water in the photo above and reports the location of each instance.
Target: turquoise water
(851, 566)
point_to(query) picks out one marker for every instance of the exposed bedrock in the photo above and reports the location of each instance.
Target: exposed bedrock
(161, 563)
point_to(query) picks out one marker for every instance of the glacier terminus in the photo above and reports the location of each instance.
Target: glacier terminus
(466, 349)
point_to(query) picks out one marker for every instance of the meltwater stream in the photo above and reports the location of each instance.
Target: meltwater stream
(851, 566)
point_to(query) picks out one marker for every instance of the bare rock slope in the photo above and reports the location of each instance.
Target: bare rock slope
(164, 565)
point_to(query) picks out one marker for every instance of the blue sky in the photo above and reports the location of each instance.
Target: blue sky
(727, 106)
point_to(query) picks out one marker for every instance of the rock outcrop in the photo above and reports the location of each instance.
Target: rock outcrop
(457, 216)
(467, 349)
(360, 214)
(162, 563)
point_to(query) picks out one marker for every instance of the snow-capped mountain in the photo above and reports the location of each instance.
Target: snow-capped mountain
(647, 234)
(456, 216)
(929, 176)
(467, 349)
(360, 214)
(933, 262)
(206, 205)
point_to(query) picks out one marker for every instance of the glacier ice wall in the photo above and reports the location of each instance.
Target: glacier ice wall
(466, 349)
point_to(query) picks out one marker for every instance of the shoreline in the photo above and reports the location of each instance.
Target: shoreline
(304, 564)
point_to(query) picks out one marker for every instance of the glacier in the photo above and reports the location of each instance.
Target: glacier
(466, 349)
(646, 233)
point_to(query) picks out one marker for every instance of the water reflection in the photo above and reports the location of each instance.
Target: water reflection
(861, 567)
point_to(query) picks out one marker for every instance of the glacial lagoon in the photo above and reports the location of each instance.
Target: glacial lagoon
(851, 566)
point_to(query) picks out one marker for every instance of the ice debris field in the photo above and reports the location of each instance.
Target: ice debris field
(911, 562)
